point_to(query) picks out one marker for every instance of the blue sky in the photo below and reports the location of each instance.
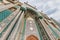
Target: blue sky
(49, 7)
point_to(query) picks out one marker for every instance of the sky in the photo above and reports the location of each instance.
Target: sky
(49, 7)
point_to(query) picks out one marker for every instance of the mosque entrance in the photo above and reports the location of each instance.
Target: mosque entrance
(32, 37)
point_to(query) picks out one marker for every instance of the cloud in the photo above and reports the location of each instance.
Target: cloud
(56, 15)
(51, 11)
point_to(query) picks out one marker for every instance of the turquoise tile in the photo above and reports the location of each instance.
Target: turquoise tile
(4, 14)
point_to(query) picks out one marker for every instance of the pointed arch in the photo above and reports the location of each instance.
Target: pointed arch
(32, 37)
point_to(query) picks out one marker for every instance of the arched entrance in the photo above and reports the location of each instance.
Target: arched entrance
(32, 37)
